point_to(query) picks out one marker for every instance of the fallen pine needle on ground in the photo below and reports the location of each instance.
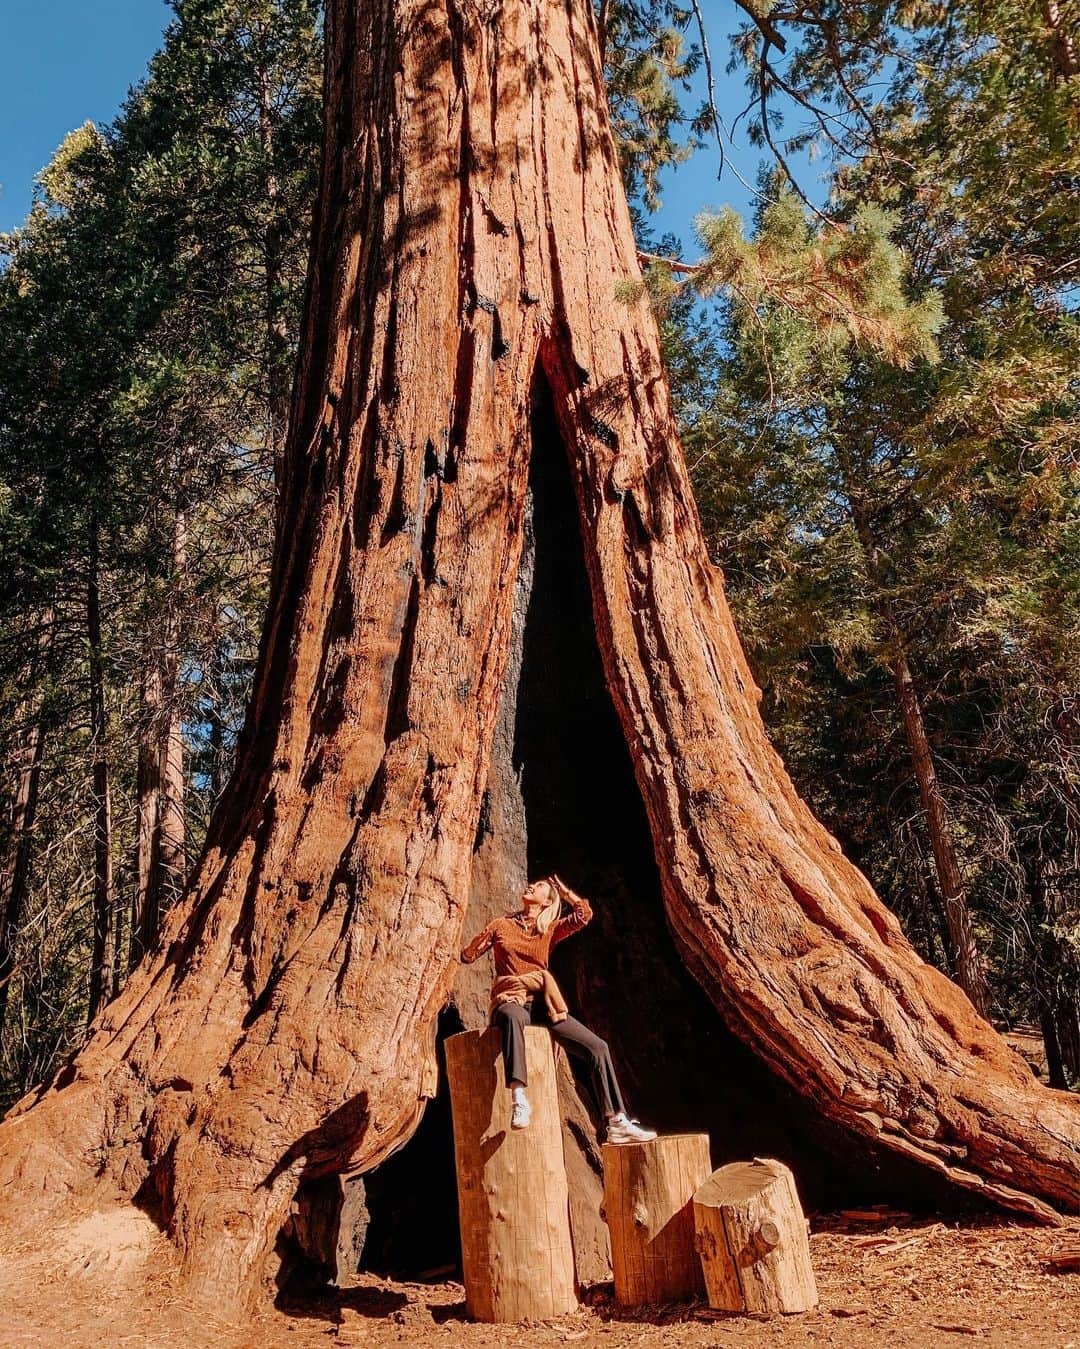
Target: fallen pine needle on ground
(884, 1279)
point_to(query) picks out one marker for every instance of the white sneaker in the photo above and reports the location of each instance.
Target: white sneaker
(620, 1129)
(521, 1113)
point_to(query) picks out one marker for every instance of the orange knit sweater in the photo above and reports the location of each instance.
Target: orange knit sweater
(517, 951)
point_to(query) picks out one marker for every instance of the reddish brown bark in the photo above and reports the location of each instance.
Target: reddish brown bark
(471, 234)
(278, 357)
(160, 861)
(503, 849)
(145, 905)
(104, 948)
(966, 959)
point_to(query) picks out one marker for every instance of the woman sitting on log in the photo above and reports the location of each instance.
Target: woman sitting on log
(525, 992)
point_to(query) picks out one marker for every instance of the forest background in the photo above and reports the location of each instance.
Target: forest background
(872, 347)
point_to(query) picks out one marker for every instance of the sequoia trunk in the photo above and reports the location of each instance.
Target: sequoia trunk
(467, 249)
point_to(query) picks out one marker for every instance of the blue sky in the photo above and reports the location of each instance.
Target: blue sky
(63, 62)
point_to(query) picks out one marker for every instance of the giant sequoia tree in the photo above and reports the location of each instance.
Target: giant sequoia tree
(474, 410)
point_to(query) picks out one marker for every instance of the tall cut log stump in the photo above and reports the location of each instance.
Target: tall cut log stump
(751, 1236)
(648, 1193)
(514, 1210)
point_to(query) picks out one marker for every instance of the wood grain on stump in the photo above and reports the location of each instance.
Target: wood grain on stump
(648, 1189)
(751, 1236)
(516, 1251)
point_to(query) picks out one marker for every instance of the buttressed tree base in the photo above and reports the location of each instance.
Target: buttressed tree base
(470, 237)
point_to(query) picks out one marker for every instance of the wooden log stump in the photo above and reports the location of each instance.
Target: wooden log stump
(751, 1236)
(648, 1191)
(516, 1251)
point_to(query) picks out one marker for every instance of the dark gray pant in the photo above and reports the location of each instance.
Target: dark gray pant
(576, 1039)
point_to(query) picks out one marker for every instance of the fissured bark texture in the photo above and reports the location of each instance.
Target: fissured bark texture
(469, 240)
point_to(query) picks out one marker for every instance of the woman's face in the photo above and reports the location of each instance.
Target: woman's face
(536, 897)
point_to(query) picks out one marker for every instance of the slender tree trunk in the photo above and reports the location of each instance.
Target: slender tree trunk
(931, 918)
(1055, 1064)
(1056, 981)
(966, 959)
(1052, 864)
(103, 951)
(1067, 888)
(173, 818)
(147, 808)
(215, 717)
(160, 862)
(278, 356)
(1055, 978)
(16, 876)
(173, 822)
(471, 235)
(1053, 869)
(968, 966)
(26, 770)
(1068, 1022)
(121, 913)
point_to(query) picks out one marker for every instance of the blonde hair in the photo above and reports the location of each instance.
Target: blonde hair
(550, 912)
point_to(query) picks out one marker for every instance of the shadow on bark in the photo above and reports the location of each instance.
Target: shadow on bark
(572, 805)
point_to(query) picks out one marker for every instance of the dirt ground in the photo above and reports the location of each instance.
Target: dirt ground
(887, 1280)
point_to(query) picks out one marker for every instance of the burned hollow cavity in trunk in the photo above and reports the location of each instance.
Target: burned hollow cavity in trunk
(561, 796)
